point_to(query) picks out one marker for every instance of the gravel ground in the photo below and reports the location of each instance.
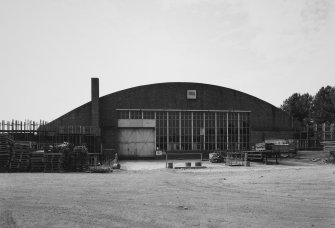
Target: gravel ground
(285, 195)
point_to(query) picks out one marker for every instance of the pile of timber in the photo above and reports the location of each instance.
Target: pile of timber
(20, 158)
(6, 143)
(79, 159)
(53, 162)
(255, 156)
(329, 147)
(37, 161)
(66, 149)
(235, 158)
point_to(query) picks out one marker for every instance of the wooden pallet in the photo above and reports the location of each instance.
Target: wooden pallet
(255, 156)
(37, 161)
(79, 159)
(20, 159)
(5, 152)
(4, 162)
(53, 162)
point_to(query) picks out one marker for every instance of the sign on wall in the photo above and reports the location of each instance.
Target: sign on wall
(191, 94)
(136, 123)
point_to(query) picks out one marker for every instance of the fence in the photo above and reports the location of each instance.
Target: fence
(44, 134)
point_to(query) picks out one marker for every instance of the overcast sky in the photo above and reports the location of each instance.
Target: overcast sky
(49, 50)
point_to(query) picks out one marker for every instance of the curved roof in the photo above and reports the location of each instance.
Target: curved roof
(159, 89)
(172, 95)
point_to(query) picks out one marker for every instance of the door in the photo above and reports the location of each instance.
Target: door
(137, 142)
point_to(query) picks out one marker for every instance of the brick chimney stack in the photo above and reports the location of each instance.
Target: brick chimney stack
(95, 102)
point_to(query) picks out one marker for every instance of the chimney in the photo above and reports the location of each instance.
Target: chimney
(95, 102)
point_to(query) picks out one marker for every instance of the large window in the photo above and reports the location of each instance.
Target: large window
(233, 131)
(161, 130)
(173, 131)
(197, 130)
(186, 131)
(148, 115)
(222, 131)
(124, 114)
(210, 131)
(244, 131)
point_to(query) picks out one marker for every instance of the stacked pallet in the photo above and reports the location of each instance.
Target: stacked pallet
(53, 162)
(79, 159)
(329, 147)
(20, 158)
(37, 161)
(255, 156)
(66, 149)
(235, 158)
(5, 151)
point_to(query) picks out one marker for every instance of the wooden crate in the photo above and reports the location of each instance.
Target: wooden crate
(53, 162)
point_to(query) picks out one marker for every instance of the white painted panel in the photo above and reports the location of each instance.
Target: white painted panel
(145, 123)
(135, 142)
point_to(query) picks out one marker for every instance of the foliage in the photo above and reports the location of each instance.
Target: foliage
(298, 106)
(323, 109)
(307, 108)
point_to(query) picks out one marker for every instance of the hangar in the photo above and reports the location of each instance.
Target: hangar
(179, 117)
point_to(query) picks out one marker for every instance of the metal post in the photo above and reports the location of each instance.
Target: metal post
(204, 121)
(167, 130)
(245, 158)
(155, 132)
(227, 132)
(179, 130)
(192, 131)
(216, 132)
(238, 131)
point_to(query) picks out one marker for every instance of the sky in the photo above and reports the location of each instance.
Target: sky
(50, 49)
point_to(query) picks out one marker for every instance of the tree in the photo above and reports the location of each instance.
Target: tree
(298, 106)
(323, 109)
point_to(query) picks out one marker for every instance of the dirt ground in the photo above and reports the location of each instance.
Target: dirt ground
(145, 194)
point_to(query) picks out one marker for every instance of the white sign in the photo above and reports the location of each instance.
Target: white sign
(191, 94)
(137, 123)
(159, 153)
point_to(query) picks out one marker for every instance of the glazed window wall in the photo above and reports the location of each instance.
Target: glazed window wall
(148, 115)
(210, 131)
(136, 115)
(123, 114)
(173, 132)
(161, 130)
(244, 130)
(186, 131)
(222, 130)
(233, 131)
(197, 130)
